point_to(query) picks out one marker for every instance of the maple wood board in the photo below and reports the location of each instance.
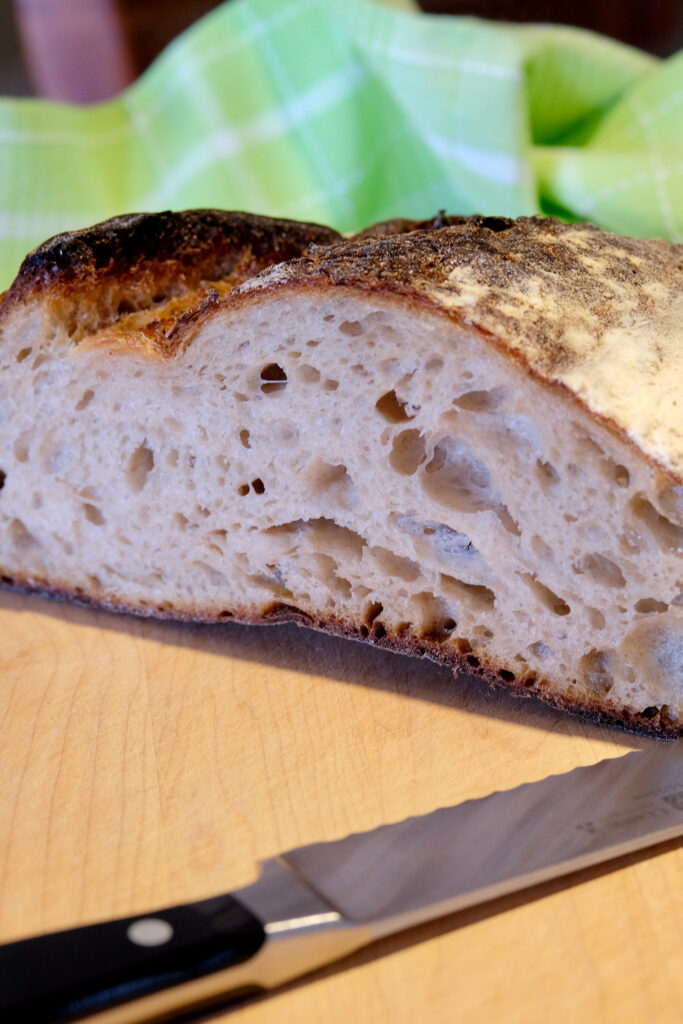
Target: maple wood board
(145, 764)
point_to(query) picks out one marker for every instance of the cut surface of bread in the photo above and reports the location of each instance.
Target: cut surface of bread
(461, 439)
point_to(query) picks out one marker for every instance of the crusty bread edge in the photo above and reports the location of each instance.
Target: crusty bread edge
(656, 724)
(421, 301)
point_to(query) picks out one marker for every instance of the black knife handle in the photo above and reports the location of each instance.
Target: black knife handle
(67, 975)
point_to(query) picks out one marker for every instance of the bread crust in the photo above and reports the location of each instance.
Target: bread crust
(134, 279)
(595, 314)
(204, 243)
(653, 722)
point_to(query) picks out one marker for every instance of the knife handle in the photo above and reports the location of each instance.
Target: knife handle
(71, 974)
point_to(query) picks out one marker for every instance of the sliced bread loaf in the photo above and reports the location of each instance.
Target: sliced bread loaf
(460, 439)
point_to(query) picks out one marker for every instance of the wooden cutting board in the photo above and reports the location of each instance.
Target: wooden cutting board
(143, 764)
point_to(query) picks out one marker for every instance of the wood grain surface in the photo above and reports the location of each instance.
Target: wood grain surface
(145, 763)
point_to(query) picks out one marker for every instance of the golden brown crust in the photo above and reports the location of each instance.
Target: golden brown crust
(653, 722)
(133, 279)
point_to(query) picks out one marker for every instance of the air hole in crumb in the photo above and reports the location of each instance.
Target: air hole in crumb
(439, 630)
(182, 521)
(541, 549)
(374, 609)
(391, 408)
(546, 473)
(243, 489)
(507, 521)
(668, 535)
(125, 306)
(408, 452)
(456, 478)
(172, 457)
(481, 401)
(225, 614)
(596, 618)
(541, 650)
(244, 438)
(648, 605)
(351, 327)
(284, 612)
(475, 595)
(313, 343)
(308, 374)
(20, 448)
(93, 514)
(622, 477)
(395, 565)
(473, 661)
(274, 379)
(324, 478)
(601, 569)
(20, 536)
(437, 618)
(545, 595)
(23, 353)
(85, 399)
(506, 675)
(3, 477)
(140, 466)
(258, 485)
(331, 385)
(598, 668)
(669, 500)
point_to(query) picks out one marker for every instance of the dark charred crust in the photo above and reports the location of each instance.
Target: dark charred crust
(652, 722)
(401, 225)
(207, 243)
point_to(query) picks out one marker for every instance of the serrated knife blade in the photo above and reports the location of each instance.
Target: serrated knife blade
(320, 902)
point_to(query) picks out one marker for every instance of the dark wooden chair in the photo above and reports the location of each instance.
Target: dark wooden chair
(82, 51)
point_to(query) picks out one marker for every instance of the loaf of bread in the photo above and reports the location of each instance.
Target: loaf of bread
(460, 439)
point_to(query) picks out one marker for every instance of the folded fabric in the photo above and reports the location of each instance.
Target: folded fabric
(347, 112)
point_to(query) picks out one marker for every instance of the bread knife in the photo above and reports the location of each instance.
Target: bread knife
(319, 903)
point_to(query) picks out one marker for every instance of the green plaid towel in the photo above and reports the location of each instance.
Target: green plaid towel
(347, 112)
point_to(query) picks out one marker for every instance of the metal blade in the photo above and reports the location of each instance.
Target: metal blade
(425, 867)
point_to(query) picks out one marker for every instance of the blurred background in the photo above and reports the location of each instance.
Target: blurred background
(82, 51)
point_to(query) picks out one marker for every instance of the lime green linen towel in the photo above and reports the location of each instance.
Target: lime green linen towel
(347, 112)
